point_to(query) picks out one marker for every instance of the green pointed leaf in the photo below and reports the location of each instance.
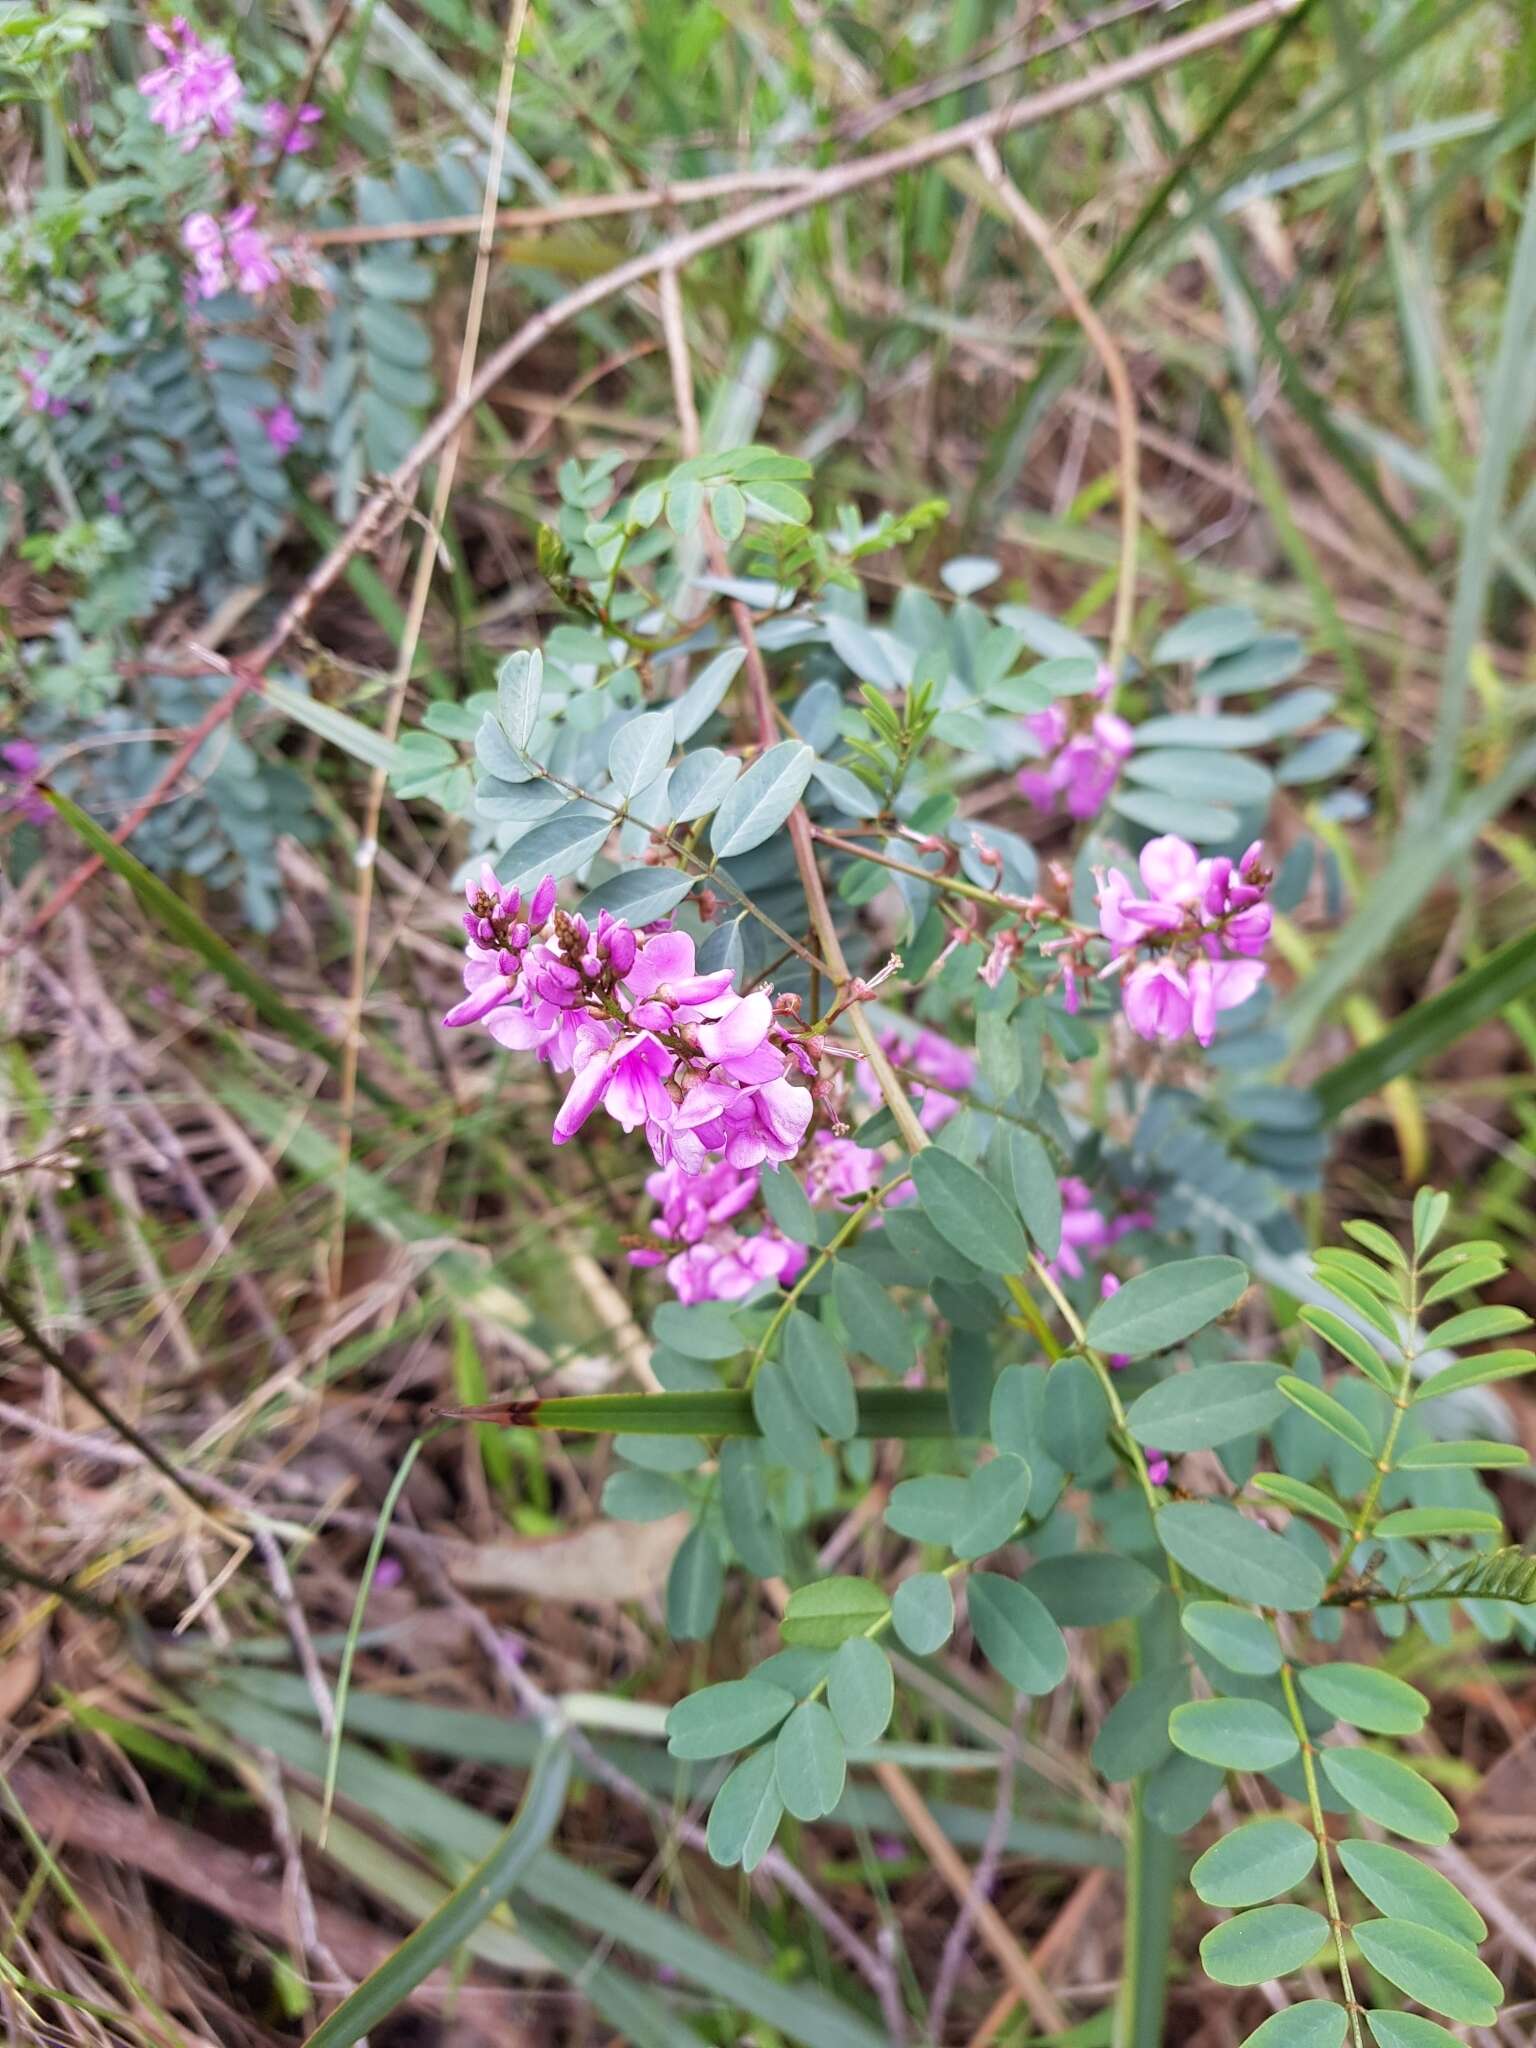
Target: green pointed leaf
(1089, 1588)
(1331, 1413)
(745, 1816)
(1159, 1309)
(1210, 1405)
(1312, 2024)
(1422, 1522)
(787, 1203)
(861, 1691)
(1431, 1968)
(968, 1212)
(694, 1586)
(727, 1717)
(923, 1611)
(1407, 2030)
(792, 1437)
(1480, 1371)
(1015, 1633)
(1390, 1794)
(1464, 1453)
(819, 1375)
(1271, 1941)
(810, 1762)
(1075, 1417)
(754, 808)
(1236, 1735)
(1366, 1697)
(1254, 1863)
(1430, 1207)
(876, 1327)
(519, 686)
(1353, 1344)
(1036, 1189)
(1235, 1556)
(996, 1495)
(1302, 1498)
(828, 1611)
(639, 750)
(1237, 1638)
(1474, 1325)
(1404, 1888)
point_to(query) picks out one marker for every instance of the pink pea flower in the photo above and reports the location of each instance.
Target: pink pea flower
(22, 760)
(287, 128)
(1082, 751)
(281, 428)
(728, 1267)
(252, 259)
(195, 92)
(1176, 943)
(232, 252)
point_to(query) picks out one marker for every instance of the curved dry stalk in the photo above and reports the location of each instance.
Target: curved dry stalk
(1035, 231)
(421, 588)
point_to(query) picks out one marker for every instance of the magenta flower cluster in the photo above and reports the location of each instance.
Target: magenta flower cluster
(1083, 754)
(195, 92)
(701, 1069)
(1086, 1232)
(1188, 948)
(22, 759)
(39, 397)
(233, 251)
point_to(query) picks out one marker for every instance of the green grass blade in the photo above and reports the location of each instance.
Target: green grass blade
(354, 1630)
(188, 929)
(436, 1939)
(1502, 424)
(902, 1412)
(1428, 1028)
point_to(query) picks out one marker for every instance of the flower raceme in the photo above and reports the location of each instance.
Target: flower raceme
(1082, 754)
(195, 91)
(1188, 948)
(646, 1037)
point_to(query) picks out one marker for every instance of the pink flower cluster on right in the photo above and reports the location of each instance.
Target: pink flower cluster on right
(1188, 948)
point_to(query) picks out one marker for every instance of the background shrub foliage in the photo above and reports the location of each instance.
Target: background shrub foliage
(974, 957)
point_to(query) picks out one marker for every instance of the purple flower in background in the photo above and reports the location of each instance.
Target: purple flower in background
(281, 428)
(288, 127)
(1175, 945)
(194, 93)
(1082, 753)
(232, 252)
(39, 397)
(22, 760)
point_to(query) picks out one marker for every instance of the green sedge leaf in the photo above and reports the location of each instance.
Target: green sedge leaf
(1366, 1697)
(1254, 1863)
(1332, 1414)
(1389, 1793)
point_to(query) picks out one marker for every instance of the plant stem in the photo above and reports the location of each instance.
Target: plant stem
(853, 1221)
(1324, 1858)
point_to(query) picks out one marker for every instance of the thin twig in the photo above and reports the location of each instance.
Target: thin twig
(421, 587)
(1034, 229)
(983, 1878)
